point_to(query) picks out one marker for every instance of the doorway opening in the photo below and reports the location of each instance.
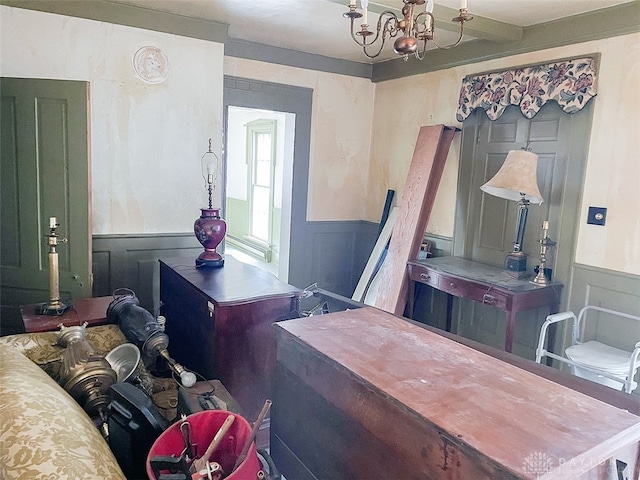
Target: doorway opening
(259, 171)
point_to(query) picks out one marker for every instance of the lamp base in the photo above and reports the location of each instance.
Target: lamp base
(53, 307)
(211, 261)
(517, 265)
(543, 275)
(210, 230)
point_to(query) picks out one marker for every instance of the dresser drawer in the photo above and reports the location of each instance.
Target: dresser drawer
(473, 291)
(425, 276)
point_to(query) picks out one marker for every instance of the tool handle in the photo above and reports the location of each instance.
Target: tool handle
(201, 462)
(252, 435)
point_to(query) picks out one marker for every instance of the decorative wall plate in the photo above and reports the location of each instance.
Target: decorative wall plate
(151, 65)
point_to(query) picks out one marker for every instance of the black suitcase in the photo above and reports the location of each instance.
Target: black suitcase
(134, 424)
(206, 395)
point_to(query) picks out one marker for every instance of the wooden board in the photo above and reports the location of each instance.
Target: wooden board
(378, 249)
(363, 394)
(415, 208)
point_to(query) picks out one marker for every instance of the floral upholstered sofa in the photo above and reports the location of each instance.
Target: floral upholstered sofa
(44, 433)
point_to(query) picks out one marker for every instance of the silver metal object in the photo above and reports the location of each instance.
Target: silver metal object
(125, 361)
(545, 244)
(84, 374)
(189, 452)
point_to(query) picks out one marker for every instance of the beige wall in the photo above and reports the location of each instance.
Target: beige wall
(613, 165)
(341, 118)
(146, 139)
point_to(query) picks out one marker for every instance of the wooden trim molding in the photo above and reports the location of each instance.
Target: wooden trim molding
(596, 25)
(130, 16)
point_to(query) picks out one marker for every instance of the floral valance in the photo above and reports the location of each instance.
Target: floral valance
(571, 83)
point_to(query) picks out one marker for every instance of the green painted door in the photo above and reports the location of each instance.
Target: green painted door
(485, 225)
(44, 173)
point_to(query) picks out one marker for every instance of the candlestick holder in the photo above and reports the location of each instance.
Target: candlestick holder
(541, 277)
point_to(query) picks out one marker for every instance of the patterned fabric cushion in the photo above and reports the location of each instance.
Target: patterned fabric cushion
(44, 433)
(41, 347)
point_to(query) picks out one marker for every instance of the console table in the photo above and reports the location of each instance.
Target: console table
(482, 283)
(219, 323)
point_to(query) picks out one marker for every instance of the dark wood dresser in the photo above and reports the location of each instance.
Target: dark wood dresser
(219, 323)
(363, 394)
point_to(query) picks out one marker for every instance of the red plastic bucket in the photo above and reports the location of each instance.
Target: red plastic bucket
(204, 426)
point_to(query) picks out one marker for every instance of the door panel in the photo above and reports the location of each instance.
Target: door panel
(485, 225)
(493, 234)
(45, 173)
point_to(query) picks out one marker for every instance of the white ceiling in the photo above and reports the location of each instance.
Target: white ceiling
(317, 26)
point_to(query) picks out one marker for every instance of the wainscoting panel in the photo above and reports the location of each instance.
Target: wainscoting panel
(607, 289)
(336, 255)
(131, 261)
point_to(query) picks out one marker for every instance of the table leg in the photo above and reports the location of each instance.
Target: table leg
(412, 298)
(508, 338)
(449, 312)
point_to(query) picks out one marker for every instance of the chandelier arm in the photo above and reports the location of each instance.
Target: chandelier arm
(421, 52)
(353, 35)
(364, 47)
(447, 47)
(390, 28)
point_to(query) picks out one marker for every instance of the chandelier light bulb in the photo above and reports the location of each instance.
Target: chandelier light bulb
(364, 4)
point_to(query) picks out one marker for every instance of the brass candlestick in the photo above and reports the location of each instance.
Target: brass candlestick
(545, 244)
(55, 306)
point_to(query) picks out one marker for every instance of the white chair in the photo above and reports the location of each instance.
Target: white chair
(591, 359)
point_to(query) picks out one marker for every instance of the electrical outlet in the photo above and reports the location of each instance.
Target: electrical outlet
(596, 215)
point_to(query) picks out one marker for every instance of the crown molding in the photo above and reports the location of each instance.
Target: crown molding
(293, 58)
(130, 16)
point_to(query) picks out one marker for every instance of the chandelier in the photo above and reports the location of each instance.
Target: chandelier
(415, 29)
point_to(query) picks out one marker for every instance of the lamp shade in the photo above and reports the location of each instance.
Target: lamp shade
(517, 178)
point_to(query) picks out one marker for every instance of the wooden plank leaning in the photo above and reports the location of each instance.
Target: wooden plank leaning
(414, 210)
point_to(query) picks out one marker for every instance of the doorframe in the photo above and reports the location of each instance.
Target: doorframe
(577, 150)
(247, 93)
(566, 233)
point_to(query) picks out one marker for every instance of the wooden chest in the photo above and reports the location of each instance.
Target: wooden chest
(362, 394)
(219, 323)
